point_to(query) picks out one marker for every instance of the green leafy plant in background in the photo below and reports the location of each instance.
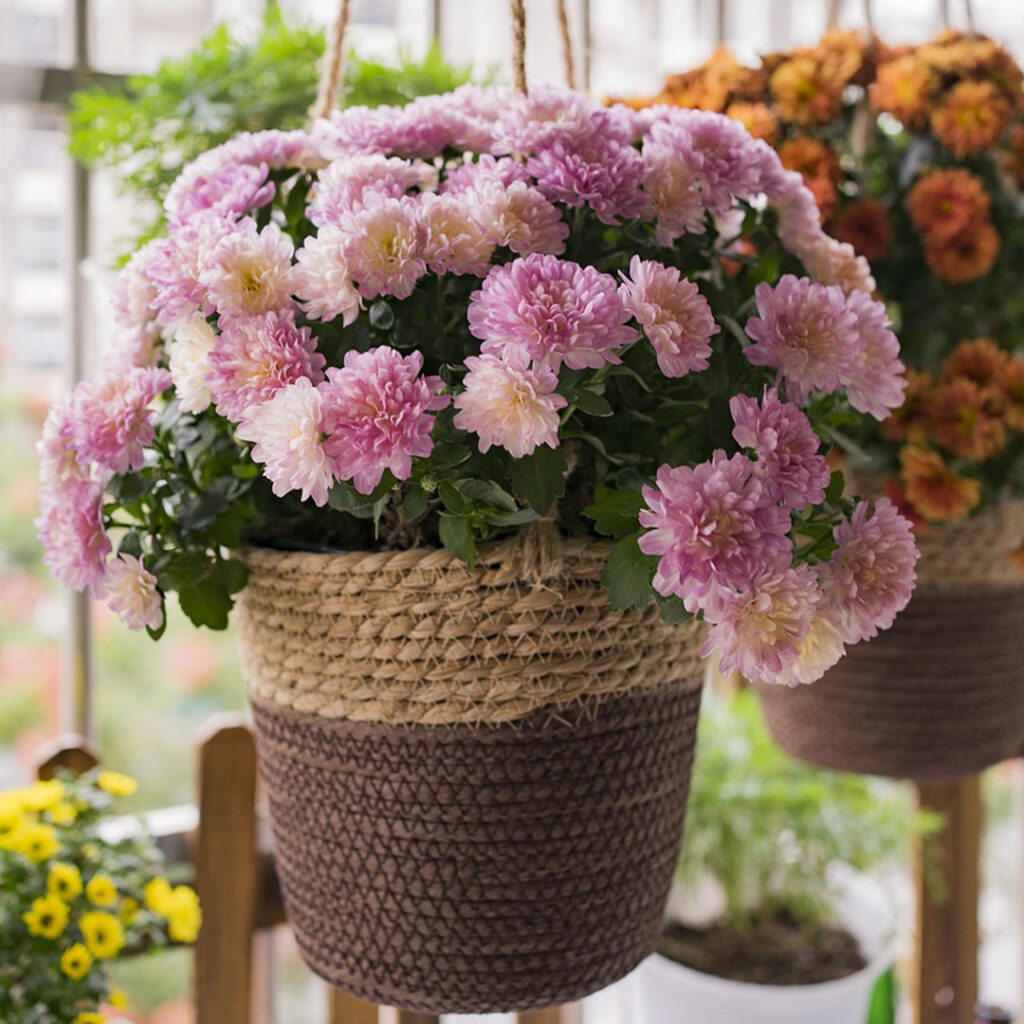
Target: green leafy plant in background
(146, 130)
(766, 827)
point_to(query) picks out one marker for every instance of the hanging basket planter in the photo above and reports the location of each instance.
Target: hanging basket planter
(477, 779)
(941, 694)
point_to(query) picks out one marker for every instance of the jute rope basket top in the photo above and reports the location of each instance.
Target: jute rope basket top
(415, 636)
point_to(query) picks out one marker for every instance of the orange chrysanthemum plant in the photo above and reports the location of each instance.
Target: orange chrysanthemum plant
(915, 156)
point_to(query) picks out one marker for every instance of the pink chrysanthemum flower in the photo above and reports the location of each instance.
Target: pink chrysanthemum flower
(378, 415)
(320, 278)
(601, 174)
(383, 247)
(821, 649)
(870, 575)
(673, 196)
(782, 438)
(189, 363)
(255, 357)
(288, 436)
(59, 466)
(250, 271)
(127, 348)
(518, 217)
(874, 381)
(453, 240)
(70, 528)
(807, 332)
(131, 591)
(713, 527)
(509, 405)
(134, 294)
(759, 629)
(176, 267)
(347, 183)
(674, 315)
(487, 170)
(833, 262)
(553, 310)
(111, 416)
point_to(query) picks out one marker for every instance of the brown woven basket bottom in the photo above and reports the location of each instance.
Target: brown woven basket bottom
(482, 868)
(938, 696)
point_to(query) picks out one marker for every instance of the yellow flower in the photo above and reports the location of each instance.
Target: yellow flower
(129, 911)
(90, 851)
(38, 842)
(63, 813)
(184, 916)
(47, 917)
(76, 961)
(12, 840)
(116, 784)
(103, 934)
(10, 813)
(101, 890)
(64, 881)
(41, 796)
(89, 1017)
(157, 895)
(118, 998)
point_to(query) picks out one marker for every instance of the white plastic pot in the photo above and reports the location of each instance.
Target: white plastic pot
(669, 993)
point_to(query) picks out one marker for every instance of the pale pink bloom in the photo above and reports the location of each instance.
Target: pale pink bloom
(673, 194)
(130, 590)
(250, 271)
(507, 404)
(759, 629)
(288, 435)
(782, 438)
(870, 575)
(713, 526)
(484, 171)
(553, 310)
(518, 217)
(59, 467)
(347, 183)
(378, 415)
(189, 363)
(453, 240)
(832, 262)
(175, 271)
(822, 648)
(874, 382)
(674, 315)
(70, 528)
(255, 357)
(320, 278)
(383, 247)
(807, 332)
(112, 418)
(134, 293)
(128, 348)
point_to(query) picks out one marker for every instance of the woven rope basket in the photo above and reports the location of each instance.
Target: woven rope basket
(477, 780)
(940, 695)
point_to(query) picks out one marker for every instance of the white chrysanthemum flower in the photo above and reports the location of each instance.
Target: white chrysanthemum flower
(190, 363)
(821, 649)
(130, 590)
(321, 280)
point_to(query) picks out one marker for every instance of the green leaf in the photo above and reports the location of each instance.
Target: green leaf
(206, 604)
(486, 492)
(539, 478)
(836, 486)
(231, 574)
(628, 574)
(672, 609)
(452, 497)
(517, 518)
(615, 512)
(590, 402)
(457, 536)
(415, 504)
(345, 498)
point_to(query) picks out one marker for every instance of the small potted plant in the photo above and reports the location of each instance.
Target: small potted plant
(73, 899)
(790, 928)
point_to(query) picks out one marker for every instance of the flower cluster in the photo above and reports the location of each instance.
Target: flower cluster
(73, 900)
(436, 323)
(915, 156)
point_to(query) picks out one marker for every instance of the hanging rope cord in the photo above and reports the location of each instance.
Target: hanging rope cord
(332, 64)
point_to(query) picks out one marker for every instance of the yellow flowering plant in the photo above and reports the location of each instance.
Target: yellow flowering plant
(76, 895)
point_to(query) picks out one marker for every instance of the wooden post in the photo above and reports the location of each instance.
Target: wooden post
(72, 752)
(571, 1013)
(345, 1009)
(945, 980)
(226, 873)
(389, 1015)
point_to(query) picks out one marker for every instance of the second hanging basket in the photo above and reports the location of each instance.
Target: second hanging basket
(477, 779)
(940, 695)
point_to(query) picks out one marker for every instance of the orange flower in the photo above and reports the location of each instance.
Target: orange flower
(757, 118)
(961, 420)
(907, 423)
(865, 226)
(980, 360)
(968, 255)
(904, 87)
(971, 117)
(806, 91)
(943, 203)
(897, 494)
(819, 165)
(933, 488)
(1012, 383)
